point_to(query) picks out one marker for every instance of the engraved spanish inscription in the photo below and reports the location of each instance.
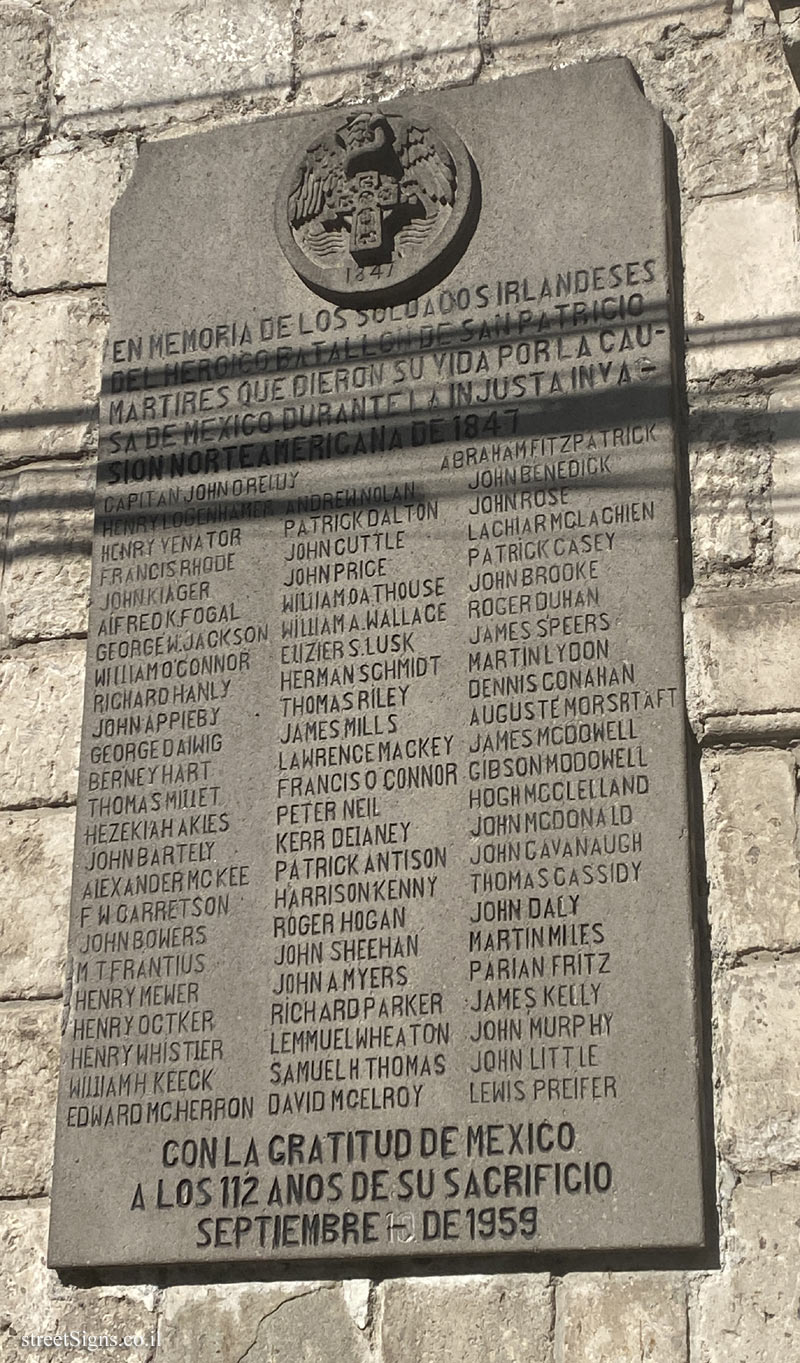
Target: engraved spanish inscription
(382, 939)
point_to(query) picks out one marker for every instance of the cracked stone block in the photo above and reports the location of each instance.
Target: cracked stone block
(523, 36)
(751, 851)
(784, 409)
(351, 51)
(730, 105)
(64, 207)
(613, 1318)
(35, 872)
(6, 194)
(743, 661)
(123, 66)
(758, 1103)
(44, 592)
(499, 1319)
(284, 1323)
(24, 41)
(50, 358)
(730, 466)
(747, 1312)
(34, 1302)
(29, 1043)
(742, 284)
(41, 696)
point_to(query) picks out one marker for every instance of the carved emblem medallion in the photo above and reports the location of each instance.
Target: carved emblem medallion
(378, 207)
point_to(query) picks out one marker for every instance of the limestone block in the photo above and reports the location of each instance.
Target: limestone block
(34, 1302)
(501, 1319)
(29, 1042)
(64, 206)
(730, 462)
(748, 1312)
(24, 36)
(282, 1323)
(742, 283)
(122, 66)
(35, 871)
(751, 852)
(613, 1318)
(41, 693)
(784, 408)
(743, 661)
(523, 36)
(789, 17)
(50, 357)
(352, 51)
(44, 592)
(730, 105)
(759, 1064)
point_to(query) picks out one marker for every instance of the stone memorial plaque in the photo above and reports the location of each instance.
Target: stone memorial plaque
(382, 941)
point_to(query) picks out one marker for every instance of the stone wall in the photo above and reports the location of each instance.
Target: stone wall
(82, 83)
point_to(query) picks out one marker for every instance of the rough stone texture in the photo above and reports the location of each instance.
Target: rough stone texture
(33, 1301)
(41, 693)
(64, 206)
(742, 283)
(523, 35)
(6, 212)
(286, 1323)
(784, 408)
(759, 1064)
(789, 16)
(352, 51)
(730, 461)
(743, 661)
(475, 1320)
(748, 1312)
(29, 1041)
(751, 851)
(6, 194)
(603, 1318)
(24, 38)
(44, 589)
(50, 353)
(35, 871)
(730, 106)
(122, 67)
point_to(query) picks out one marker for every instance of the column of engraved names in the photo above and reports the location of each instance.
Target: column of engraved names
(557, 772)
(157, 887)
(355, 877)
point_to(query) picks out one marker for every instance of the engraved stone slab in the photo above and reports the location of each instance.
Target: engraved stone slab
(382, 938)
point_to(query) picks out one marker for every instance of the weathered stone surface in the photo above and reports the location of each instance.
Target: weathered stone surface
(751, 850)
(742, 283)
(35, 872)
(759, 1064)
(116, 67)
(50, 354)
(730, 105)
(44, 591)
(64, 206)
(730, 463)
(743, 660)
(621, 1317)
(352, 51)
(784, 409)
(501, 1319)
(284, 1323)
(748, 1312)
(29, 1038)
(24, 40)
(41, 693)
(34, 1302)
(523, 36)
(6, 194)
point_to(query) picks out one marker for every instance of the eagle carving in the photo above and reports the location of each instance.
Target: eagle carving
(374, 188)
